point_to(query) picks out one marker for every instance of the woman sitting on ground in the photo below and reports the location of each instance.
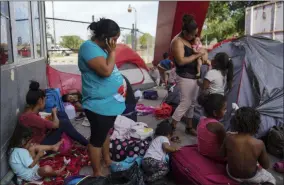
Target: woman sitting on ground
(210, 132)
(55, 127)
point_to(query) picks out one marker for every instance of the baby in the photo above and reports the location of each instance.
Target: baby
(246, 155)
(197, 46)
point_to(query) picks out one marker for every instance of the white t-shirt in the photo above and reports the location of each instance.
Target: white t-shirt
(155, 150)
(218, 82)
(20, 160)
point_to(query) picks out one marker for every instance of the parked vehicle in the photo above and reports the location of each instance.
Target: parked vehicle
(60, 50)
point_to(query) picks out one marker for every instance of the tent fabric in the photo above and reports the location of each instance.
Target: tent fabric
(128, 61)
(258, 78)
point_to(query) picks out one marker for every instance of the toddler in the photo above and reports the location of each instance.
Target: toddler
(155, 162)
(24, 156)
(246, 155)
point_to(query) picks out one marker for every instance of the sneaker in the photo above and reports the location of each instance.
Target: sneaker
(86, 122)
(80, 117)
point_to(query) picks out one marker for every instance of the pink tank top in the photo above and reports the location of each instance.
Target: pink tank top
(208, 144)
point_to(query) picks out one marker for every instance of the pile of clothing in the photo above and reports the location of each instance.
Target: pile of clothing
(129, 139)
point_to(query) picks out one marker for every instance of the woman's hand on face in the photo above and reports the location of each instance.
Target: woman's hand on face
(111, 45)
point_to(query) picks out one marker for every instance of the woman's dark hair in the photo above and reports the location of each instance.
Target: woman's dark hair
(188, 23)
(34, 93)
(246, 120)
(211, 103)
(164, 128)
(223, 62)
(104, 28)
(165, 55)
(20, 133)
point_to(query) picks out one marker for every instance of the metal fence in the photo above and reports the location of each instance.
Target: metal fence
(64, 37)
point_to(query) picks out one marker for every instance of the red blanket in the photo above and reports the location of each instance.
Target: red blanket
(79, 158)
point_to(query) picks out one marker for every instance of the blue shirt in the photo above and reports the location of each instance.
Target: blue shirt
(101, 95)
(20, 160)
(166, 63)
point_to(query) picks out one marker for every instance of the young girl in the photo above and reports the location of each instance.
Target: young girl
(155, 163)
(24, 157)
(220, 77)
(244, 152)
(210, 132)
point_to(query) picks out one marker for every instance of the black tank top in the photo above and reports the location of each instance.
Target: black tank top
(187, 70)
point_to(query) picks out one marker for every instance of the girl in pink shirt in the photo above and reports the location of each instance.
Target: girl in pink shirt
(210, 132)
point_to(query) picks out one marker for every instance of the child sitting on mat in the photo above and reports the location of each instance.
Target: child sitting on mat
(246, 155)
(210, 131)
(155, 162)
(24, 156)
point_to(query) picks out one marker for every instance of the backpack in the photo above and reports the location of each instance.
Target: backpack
(275, 141)
(53, 99)
(150, 95)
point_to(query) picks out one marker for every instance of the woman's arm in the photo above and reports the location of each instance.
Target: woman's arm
(104, 67)
(55, 119)
(178, 53)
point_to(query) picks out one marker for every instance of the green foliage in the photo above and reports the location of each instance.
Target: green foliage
(127, 38)
(146, 38)
(71, 42)
(226, 19)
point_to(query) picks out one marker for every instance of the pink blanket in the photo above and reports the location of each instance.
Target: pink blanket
(190, 167)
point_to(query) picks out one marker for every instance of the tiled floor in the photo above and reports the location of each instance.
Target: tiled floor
(152, 122)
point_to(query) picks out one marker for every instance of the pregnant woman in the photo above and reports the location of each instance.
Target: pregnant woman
(102, 88)
(186, 68)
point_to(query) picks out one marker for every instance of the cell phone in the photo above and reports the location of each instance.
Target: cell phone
(107, 40)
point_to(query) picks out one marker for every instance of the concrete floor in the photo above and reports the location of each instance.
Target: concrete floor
(152, 122)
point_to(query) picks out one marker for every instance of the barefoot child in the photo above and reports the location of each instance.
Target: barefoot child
(244, 152)
(197, 46)
(24, 157)
(155, 163)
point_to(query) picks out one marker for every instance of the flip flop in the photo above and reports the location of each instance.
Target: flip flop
(279, 167)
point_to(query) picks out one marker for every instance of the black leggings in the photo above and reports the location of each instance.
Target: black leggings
(66, 127)
(100, 126)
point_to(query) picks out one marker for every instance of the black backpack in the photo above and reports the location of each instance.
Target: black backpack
(275, 141)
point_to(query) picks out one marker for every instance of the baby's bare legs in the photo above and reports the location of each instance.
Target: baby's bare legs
(199, 64)
(48, 171)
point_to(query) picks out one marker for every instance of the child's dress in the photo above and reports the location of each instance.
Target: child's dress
(155, 160)
(20, 160)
